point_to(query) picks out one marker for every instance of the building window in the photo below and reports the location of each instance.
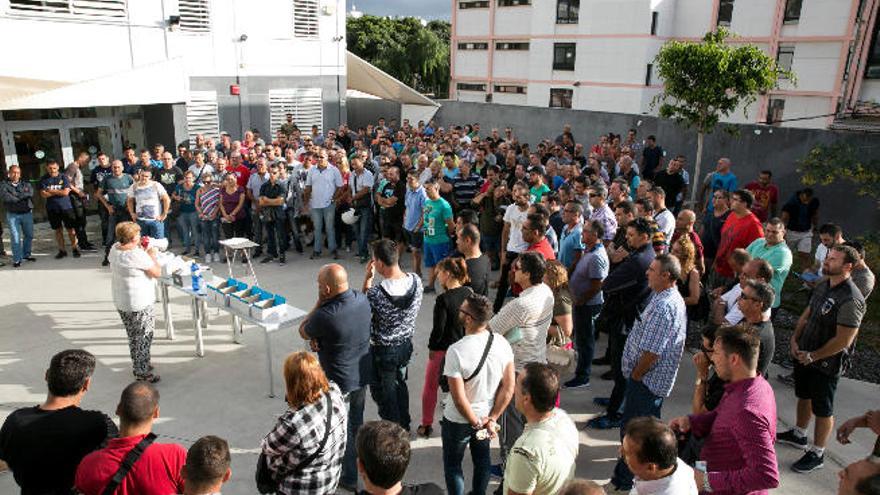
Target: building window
(520, 90)
(508, 45)
(82, 10)
(195, 16)
(567, 11)
(785, 57)
(774, 111)
(305, 18)
(513, 3)
(872, 66)
(649, 74)
(725, 13)
(560, 98)
(470, 87)
(563, 56)
(654, 18)
(201, 115)
(792, 11)
(305, 104)
(480, 4)
(473, 46)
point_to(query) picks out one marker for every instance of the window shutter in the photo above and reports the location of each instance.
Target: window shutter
(304, 103)
(195, 16)
(201, 115)
(82, 9)
(305, 18)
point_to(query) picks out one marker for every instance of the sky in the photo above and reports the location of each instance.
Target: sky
(426, 9)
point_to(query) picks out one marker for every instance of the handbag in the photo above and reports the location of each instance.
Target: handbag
(127, 463)
(444, 381)
(266, 483)
(561, 356)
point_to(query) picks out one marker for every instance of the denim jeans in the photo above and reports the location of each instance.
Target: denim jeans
(21, 232)
(152, 228)
(189, 229)
(210, 235)
(388, 385)
(585, 338)
(639, 401)
(355, 401)
(456, 437)
(363, 229)
(295, 234)
(322, 218)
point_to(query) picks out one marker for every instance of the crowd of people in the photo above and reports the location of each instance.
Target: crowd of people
(583, 239)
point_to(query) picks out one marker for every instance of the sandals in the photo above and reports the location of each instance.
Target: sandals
(425, 431)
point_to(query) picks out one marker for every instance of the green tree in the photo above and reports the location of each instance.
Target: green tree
(825, 164)
(706, 81)
(415, 54)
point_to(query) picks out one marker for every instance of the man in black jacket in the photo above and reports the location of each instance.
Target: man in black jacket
(626, 290)
(17, 196)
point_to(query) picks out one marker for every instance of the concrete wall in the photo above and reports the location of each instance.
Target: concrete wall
(363, 111)
(754, 148)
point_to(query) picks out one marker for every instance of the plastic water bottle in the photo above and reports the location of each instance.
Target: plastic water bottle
(196, 278)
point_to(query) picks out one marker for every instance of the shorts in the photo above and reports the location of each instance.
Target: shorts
(435, 252)
(413, 239)
(392, 230)
(817, 387)
(490, 243)
(59, 217)
(801, 242)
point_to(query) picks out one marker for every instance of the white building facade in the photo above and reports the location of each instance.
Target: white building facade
(598, 54)
(98, 75)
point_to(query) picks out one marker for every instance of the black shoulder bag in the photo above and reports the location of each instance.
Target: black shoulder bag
(127, 463)
(444, 382)
(266, 483)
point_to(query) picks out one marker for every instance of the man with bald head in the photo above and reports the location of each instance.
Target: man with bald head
(338, 328)
(684, 225)
(159, 469)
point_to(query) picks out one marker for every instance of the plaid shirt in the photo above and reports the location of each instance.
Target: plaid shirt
(609, 221)
(297, 435)
(660, 330)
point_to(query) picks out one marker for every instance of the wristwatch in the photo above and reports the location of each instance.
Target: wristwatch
(809, 358)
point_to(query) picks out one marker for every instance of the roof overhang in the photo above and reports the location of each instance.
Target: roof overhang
(163, 82)
(367, 78)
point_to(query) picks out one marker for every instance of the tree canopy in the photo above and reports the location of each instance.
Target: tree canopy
(416, 55)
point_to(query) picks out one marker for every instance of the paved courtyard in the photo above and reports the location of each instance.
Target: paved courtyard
(53, 305)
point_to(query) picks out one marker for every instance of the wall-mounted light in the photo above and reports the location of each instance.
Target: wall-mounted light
(242, 38)
(173, 23)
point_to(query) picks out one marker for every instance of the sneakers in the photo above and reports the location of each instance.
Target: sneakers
(602, 361)
(791, 438)
(604, 422)
(105, 262)
(576, 383)
(810, 462)
(315, 256)
(267, 259)
(76, 253)
(16, 264)
(496, 471)
(61, 254)
(29, 258)
(602, 401)
(607, 376)
(282, 261)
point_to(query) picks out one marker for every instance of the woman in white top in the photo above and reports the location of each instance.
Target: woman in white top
(133, 269)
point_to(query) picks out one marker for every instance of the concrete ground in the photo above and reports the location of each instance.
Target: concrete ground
(52, 305)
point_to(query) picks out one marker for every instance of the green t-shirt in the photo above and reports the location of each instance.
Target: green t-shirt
(542, 460)
(779, 257)
(116, 189)
(436, 213)
(537, 193)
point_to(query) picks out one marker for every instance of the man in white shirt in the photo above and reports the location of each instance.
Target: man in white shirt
(148, 204)
(323, 186)
(479, 370)
(199, 168)
(650, 449)
(512, 242)
(664, 218)
(725, 310)
(524, 322)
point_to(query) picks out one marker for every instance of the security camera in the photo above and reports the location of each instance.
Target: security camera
(242, 37)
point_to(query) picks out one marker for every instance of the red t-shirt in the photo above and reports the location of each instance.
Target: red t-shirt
(157, 472)
(764, 197)
(736, 233)
(242, 174)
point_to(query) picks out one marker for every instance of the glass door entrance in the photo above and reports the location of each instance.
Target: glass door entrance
(34, 148)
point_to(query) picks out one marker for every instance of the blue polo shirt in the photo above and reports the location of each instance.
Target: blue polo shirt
(415, 203)
(569, 243)
(341, 327)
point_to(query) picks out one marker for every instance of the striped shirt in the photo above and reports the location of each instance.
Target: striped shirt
(660, 330)
(210, 202)
(531, 313)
